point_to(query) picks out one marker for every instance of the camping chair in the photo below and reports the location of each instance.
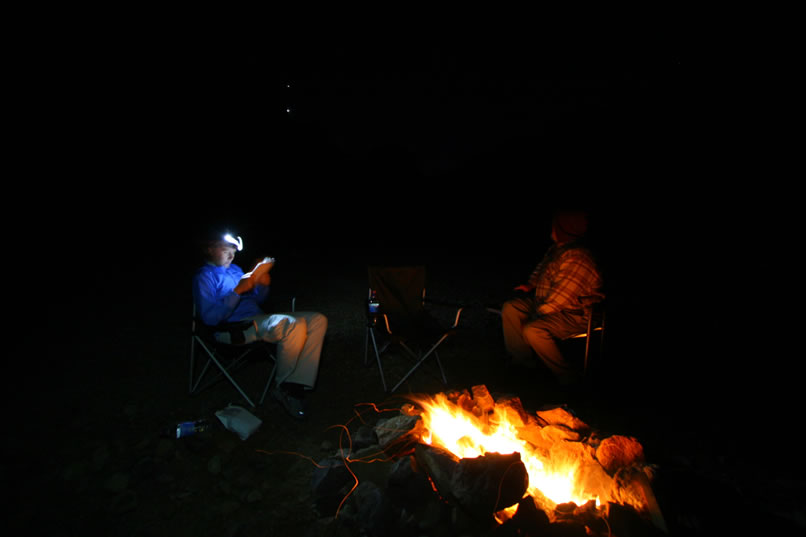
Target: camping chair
(594, 307)
(397, 309)
(226, 357)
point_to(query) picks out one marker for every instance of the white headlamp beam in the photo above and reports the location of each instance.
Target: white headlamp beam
(237, 242)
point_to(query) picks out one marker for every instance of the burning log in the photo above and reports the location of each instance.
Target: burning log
(490, 483)
(481, 485)
(438, 465)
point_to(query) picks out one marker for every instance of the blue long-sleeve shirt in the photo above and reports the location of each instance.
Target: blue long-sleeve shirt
(216, 300)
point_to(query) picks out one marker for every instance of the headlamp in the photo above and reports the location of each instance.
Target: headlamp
(237, 242)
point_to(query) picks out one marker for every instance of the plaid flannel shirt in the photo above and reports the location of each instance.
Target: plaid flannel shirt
(565, 274)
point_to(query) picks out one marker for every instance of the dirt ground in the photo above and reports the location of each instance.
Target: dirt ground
(90, 459)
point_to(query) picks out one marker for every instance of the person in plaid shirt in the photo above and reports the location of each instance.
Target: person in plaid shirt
(553, 309)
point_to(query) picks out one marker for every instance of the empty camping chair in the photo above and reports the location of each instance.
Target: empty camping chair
(398, 315)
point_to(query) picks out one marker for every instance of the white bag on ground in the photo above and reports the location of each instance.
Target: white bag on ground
(238, 420)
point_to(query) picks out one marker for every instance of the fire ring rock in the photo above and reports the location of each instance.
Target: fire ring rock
(618, 451)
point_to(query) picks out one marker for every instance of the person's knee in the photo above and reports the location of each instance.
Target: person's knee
(290, 328)
(298, 324)
(507, 309)
(318, 320)
(537, 335)
(512, 312)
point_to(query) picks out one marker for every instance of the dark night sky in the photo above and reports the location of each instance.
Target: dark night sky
(453, 143)
(459, 145)
(478, 136)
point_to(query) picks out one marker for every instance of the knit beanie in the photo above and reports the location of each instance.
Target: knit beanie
(569, 225)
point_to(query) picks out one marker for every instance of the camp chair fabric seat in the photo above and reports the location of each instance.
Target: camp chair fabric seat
(226, 357)
(402, 317)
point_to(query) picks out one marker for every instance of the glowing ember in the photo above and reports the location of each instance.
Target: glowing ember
(561, 462)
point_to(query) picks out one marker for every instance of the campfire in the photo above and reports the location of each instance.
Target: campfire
(495, 464)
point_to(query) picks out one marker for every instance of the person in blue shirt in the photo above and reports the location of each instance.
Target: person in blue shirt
(224, 293)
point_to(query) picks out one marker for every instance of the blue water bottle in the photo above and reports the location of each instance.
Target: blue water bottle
(188, 428)
(374, 306)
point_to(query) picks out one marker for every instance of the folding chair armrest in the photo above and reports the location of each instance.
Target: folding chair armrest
(445, 302)
(591, 300)
(386, 322)
(235, 328)
(456, 320)
(235, 325)
(224, 327)
(460, 306)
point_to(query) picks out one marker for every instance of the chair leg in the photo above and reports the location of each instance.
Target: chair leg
(366, 346)
(192, 362)
(433, 349)
(268, 382)
(601, 337)
(224, 372)
(238, 387)
(441, 370)
(194, 386)
(588, 333)
(377, 357)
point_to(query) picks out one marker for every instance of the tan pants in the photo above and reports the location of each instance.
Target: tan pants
(525, 333)
(299, 337)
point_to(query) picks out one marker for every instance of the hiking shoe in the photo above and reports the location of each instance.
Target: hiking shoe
(293, 405)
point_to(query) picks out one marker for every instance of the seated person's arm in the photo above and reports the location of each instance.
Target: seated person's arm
(245, 284)
(566, 288)
(212, 306)
(258, 278)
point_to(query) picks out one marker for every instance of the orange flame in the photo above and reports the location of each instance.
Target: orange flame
(553, 475)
